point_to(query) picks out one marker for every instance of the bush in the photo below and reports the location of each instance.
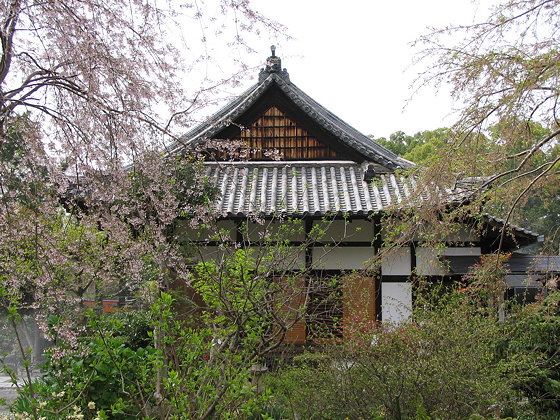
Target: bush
(133, 327)
(185, 374)
(102, 375)
(530, 352)
(442, 365)
(311, 388)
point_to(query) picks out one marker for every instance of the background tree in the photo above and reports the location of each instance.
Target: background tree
(538, 211)
(85, 88)
(419, 148)
(504, 74)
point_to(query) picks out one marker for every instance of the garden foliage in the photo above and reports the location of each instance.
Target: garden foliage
(109, 375)
(454, 360)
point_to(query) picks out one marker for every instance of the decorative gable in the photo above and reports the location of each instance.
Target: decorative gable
(274, 134)
(275, 117)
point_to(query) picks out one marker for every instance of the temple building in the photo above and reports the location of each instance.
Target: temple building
(296, 160)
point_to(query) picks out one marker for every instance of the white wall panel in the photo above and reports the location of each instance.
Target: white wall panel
(342, 258)
(294, 230)
(209, 254)
(459, 234)
(396, 302)
(396, 262)
(285, 258)
(223, 230)
(523, 280)
(462, 235)
(428, 263)
(345, 231)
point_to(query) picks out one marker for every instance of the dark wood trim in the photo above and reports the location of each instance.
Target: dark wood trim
(410, 279)
(293, 243)
(308, 247)
(378, 298)
(396, 279)
(413, 269)
(330, 272)
(413, 264)
(450, 244)
(448, 278)
(238, 233)
(377, 239)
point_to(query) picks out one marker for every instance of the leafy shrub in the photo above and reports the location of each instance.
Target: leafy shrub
(103, 374)
(186, 374)
(530, 352)
(442, 365)
(133, 327)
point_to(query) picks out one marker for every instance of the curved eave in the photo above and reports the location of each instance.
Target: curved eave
(340, 129)
(519, 235)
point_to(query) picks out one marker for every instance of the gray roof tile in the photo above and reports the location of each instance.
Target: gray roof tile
(314, 188)
(301, 188)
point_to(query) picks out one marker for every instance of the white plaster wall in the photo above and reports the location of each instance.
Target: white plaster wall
(396, 302)
(459, 234)
(225, 229)
(463, 234)
(285, 258)
(209, 254)
(276, 230)
(345, 231)
(473, 250)
(341, 258)
(428, 263)
(396, 262)
(522, 280)
(276, 259)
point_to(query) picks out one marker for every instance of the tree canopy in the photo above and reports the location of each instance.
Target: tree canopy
(418, 148)
(87, 87)
(538, 211)
(504, 74)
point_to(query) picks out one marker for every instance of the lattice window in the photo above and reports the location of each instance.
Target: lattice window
(274, 133)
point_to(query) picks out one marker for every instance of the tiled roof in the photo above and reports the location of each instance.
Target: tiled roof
(312, 187)
(323, 117)
(316, 188)
(302, 188)
(500, 223)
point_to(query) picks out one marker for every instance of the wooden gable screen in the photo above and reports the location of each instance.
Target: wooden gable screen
(274, 132)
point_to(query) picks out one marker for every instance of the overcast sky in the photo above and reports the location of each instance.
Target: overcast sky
(354, 57)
